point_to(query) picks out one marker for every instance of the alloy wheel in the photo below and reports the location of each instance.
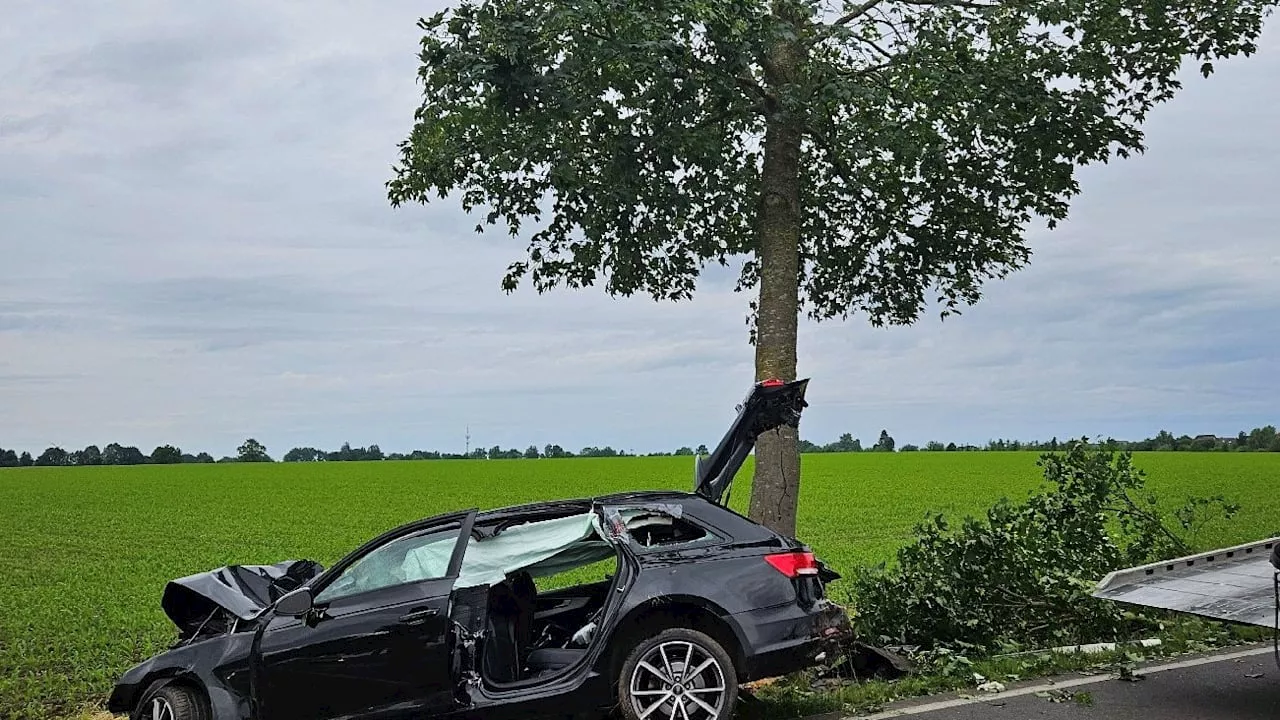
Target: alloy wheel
(678, 680)
(161, 710)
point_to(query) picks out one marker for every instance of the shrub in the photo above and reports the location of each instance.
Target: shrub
(1023, 574)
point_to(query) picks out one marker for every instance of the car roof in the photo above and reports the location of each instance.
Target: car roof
(724, 519)
(570, 504)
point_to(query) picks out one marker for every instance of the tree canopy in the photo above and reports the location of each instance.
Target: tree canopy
(625, 139)
(867, 156)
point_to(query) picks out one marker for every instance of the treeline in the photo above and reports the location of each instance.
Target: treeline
(1263, 439)
(253, 451)
(373, 452)
(116, 454)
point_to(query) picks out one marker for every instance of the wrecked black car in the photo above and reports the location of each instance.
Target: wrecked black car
(444, 617)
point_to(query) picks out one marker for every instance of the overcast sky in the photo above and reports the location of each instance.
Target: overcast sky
(196, 248)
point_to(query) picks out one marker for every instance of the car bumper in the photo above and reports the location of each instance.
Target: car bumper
(786, 639)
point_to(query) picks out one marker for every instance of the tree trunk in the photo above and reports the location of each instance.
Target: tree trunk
(775, 490)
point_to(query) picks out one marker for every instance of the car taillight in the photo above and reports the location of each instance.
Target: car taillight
(794, 564)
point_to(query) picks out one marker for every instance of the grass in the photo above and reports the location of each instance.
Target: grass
(86, 551)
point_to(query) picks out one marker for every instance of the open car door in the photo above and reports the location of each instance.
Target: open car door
(770, 405)
(377, 639)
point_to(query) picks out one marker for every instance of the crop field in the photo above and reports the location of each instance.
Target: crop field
(85, 552)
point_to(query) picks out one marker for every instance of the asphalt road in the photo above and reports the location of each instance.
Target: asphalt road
(1225, 686)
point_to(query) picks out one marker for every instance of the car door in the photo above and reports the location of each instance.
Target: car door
(377, 642)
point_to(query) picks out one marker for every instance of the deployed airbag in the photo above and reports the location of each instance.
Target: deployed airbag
(541, 548)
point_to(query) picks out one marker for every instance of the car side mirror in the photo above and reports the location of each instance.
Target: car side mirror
(296, 603)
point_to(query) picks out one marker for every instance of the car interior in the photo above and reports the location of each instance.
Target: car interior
(535, 635)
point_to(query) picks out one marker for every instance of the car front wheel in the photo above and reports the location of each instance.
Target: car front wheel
(174, 702)
(679, 674)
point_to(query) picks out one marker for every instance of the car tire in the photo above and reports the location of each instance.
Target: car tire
(174, 702)
(678, 666)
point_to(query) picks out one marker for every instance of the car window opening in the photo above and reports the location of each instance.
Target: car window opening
(548, 582)
(660, 529)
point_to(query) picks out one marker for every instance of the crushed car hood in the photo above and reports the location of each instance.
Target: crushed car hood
(242, 590)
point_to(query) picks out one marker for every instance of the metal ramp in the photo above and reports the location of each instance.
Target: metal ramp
(1236, 584)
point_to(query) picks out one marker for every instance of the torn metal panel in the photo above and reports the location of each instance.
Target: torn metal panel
(1236, 584)
(770, 405)
(241, 590)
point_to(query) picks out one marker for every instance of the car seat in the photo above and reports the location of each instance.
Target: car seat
(502, 649)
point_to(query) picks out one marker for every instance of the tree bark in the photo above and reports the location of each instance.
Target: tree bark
(775, 490)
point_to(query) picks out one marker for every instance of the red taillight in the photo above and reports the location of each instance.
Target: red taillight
(794, 564)
(772, 383)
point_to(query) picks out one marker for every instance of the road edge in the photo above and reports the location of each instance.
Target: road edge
(927, 704)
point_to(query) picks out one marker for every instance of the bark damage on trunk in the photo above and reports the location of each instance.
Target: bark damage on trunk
(775, 489)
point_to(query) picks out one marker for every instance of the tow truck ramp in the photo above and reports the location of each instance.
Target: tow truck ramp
(1237, 584)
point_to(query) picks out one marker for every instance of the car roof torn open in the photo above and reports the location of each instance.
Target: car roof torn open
(541, 548)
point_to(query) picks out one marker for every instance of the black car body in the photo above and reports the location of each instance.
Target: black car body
(700, 600)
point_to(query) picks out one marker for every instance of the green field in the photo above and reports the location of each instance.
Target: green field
(86, 551)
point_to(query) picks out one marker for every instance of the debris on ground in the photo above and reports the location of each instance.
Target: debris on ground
(991, 686)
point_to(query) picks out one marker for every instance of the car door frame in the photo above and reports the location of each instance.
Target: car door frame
(321, 581)
(260, 672)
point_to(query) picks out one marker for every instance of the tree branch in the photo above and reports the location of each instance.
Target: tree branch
(955, 3)
(857, 12)
(749, 84)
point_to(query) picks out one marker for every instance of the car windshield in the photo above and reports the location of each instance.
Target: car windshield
(413, 558)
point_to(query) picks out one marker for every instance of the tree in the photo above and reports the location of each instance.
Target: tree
(531, 452)
(116, 454)
(885, 443)
(8, 458)
(25, 459)
(935, 446)
(1262, 438)
(204, 457)
(846, 443)
(701, 451)
(951, 447)
(306, 454)
(54, 456)
(166, 455)
(909, 448)
(91, 455)
(252, 451)
(856, 162)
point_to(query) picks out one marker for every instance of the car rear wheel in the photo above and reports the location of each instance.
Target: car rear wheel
(174, 702)
(678, 674)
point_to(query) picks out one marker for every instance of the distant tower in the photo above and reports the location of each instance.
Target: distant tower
(468, 440)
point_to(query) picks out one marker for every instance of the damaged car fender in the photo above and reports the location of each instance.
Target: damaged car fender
(216, 667)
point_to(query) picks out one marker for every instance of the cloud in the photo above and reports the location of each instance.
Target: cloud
(198, 248)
